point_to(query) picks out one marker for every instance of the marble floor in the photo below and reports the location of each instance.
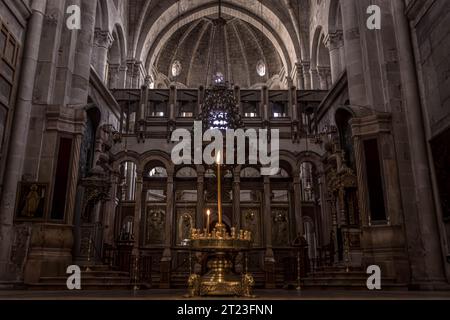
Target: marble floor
(260, 295)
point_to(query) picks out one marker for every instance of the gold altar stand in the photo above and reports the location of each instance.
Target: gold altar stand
(220, 279)
(219, 245)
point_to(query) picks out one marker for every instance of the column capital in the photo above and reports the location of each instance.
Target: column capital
(324, 71)
(334, 40)
(305, 66)
(103, 39)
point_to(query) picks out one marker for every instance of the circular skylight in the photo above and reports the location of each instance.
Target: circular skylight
(261, 68)
(176, 68)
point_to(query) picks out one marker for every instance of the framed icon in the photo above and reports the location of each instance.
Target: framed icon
(31, 200)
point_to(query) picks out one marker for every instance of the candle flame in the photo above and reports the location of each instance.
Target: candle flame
(208, 212)
(218, 157)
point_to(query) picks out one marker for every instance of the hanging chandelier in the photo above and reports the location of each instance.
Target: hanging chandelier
(219, 108)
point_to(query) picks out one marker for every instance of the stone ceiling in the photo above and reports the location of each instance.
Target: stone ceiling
(245, 46)
(156, 27)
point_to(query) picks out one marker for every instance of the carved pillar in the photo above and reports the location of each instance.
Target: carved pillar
(113, 78)
(325, 211)
(172, 102)
(73, 182)
(299, 79)
(166, 260)
(138, 212)
(269, 259)
(17, 147)
(335, 44)
(137, 74)
(298, 204)
(200, 198)
(130, 74)
(265, 103)
(306, 75)
(110, 211)
(122, 79)
(324, 76)
(315, 83)
(237, 197)
(103, 41)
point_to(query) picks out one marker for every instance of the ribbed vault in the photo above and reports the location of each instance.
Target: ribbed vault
(158, 22)
(246, 45)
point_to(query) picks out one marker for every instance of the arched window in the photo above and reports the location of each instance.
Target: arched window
(157, 194)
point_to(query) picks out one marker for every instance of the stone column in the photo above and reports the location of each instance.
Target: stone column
(324, 77)
(173, 103)
(298, 204)
(103, 41)
(138, 212)
(166, 260)
(137, 74)
(113, 79)
(353, 53)
(315, 83)
(237, 197)
(325, 210)
(19, 131)
(306, 75)
(200, 198)
(266, 113)
(335, 43)
(122, 81)
(73, 179)
(82, 63)
(129, 74)
(269, 259)
(432, 251)
(110, 210)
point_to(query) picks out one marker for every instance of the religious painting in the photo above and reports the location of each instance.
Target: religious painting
(280, 228)
(185, 222)
(155, 225)
(31, 200)
(251, 222)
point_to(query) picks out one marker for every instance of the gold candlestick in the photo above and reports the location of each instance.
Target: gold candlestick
(219, 192)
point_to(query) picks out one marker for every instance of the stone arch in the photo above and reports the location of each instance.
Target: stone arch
(320, 61)
(125, 157)
(334, 17)
(156, 156)
(288, 159)
(102, 15)
(312, 157)
(118, 51)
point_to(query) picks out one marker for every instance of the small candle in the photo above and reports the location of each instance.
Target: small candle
(208, 214)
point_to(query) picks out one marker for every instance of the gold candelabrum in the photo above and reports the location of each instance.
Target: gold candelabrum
(220, 245)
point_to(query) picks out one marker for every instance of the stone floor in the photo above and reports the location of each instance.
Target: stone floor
(261, 295)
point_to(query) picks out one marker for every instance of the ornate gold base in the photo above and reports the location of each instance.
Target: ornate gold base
(220, 280)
